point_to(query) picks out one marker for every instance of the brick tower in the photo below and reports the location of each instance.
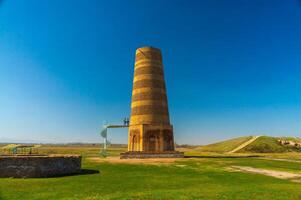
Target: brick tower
(150, 132)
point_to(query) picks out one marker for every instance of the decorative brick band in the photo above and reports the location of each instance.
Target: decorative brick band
(149, 119)
(148, 77)
(141, 90)
(149, 96)
(150, 63)
(148, 102)
(148, 70)
(149, 83)
(149, 110)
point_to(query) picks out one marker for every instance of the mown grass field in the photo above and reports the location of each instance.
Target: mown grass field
(205, 176)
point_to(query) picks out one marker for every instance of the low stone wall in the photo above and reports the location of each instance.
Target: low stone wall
(29, 166)
(143, 154)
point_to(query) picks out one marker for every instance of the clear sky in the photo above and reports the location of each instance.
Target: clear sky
(232, 67)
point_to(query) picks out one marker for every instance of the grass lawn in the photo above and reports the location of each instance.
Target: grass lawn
(193, 178)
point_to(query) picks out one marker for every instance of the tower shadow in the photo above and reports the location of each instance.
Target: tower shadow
(88, 171)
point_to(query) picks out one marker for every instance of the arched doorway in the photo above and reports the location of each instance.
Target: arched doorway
(135, 143)
(167, 141)
(152, 143)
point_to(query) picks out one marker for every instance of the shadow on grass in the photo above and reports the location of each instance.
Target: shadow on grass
(88, 171)
(82, 172)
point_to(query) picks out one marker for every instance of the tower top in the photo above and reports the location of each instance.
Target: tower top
(148, 48)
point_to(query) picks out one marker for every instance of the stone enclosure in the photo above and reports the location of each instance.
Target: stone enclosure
(34, 166)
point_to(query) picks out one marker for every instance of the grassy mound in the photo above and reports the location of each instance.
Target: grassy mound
(265, 144)
(225, 146)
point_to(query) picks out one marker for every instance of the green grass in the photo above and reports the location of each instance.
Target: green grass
(197, 178)
(265, 144)
(224, 146)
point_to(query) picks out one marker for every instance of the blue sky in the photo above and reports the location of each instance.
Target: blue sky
(232, 67)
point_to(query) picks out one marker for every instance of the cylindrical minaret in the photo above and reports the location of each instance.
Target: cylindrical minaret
(149, 100)
(150, 129)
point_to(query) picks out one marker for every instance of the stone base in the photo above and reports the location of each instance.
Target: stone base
(151, 138)
(143, 154)
(34, 166)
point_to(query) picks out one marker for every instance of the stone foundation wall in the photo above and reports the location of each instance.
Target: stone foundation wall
(141, 154)
(29, 166)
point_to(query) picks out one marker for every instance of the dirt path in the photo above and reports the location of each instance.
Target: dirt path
(281, 159)
(148, 161)
(244, 144)
(273, 173)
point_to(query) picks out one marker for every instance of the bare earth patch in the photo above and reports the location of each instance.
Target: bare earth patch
(273, 173)
(281, 159)
(148, 161)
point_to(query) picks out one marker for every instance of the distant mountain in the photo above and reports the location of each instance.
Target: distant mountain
(11, 140)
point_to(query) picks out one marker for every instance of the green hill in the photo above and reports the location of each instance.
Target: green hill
(263, 144)
(225, 146)
(266, 144)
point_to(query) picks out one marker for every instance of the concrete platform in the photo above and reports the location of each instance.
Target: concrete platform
(142, 154)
